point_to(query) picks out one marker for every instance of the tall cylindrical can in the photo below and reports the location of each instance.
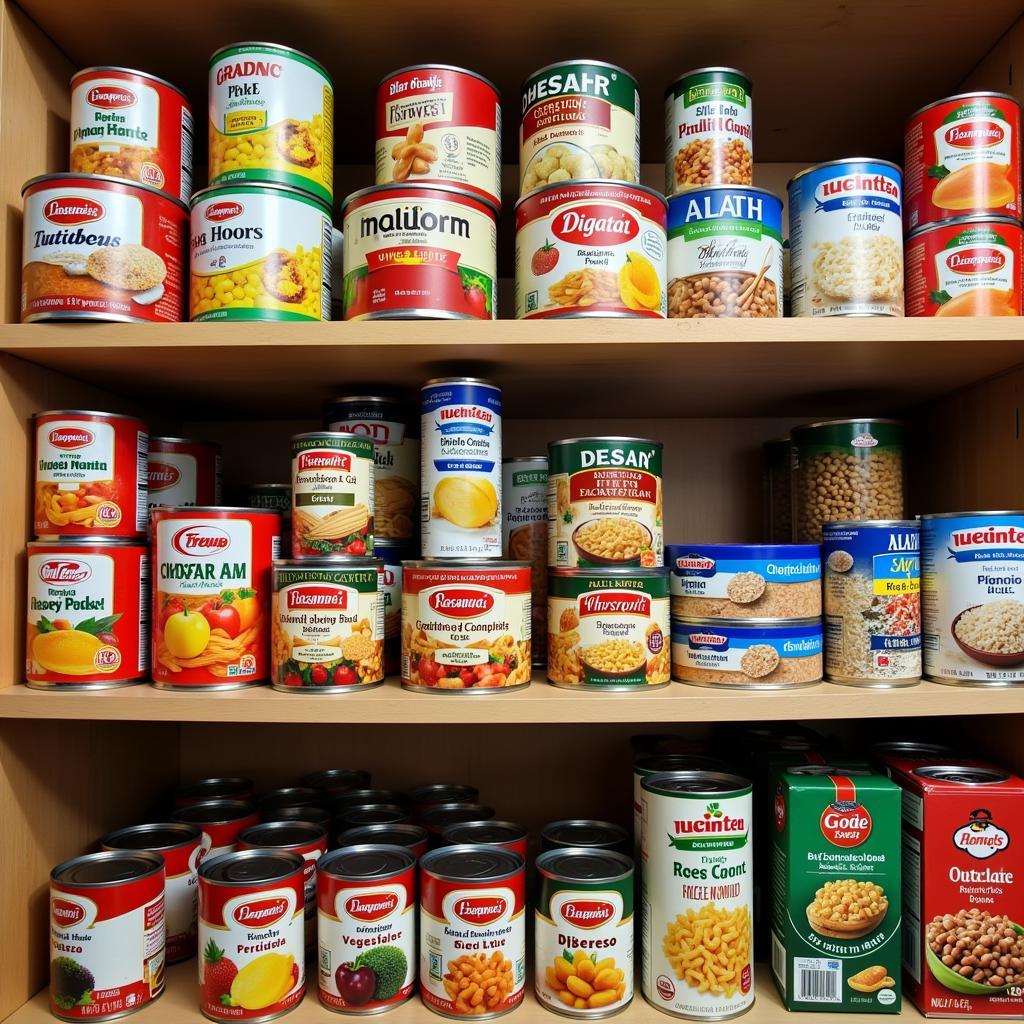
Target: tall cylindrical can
(183, 472)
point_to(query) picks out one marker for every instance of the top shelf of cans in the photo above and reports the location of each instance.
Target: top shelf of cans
(108, 241)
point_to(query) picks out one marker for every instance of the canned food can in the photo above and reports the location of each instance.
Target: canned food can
(439, 124)
(218, 788)
(460, 481)
(472, 925)
(130, 124)
(507, 834)
(251, 935)
(583, 932)
(872, 587)
(277, 498)
(292, 796)
(87, 613)
(709, 137)
(364, 795)
(584, 832)
(336, 780)
(442, 793)
(220, 822)
(524, 489)
(437, 817)
(366, 903)
(692, 819)
(413, 837)
(307, 813)
(183, 472)
(356, 815)
(117, 897)
(393, 557)
(90, 474)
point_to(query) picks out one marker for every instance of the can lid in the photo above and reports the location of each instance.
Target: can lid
(483, 381)
(846, 524)
(364, 796)
(182, 440)
(166, 835)
(110, 867)
(250, 866)
(910, 748)
(983, 512)
(539, 459)
(97, 181)
(845, 160)
(253, 187)
(214, 812)
(613, 572)
(206, 789)
(484, 833)
(438, 815)
(257, 46)
(810, 622)
(444, 793)
(866, 420)
(825, 769)
(336, 779)
(401, 834)
(973, 218)
(979, 95)
(372, 814)
(470, 862)
(328, 562)
(440, 67)
(652, 764)
(162, 511)
(107, 68)
(679, 79)
(307, 813)
(463, 563)
(291, 796)
(604, 437)
(282, 834)
(586, 832)
(366, 860)
(962, 775)
(583, 864)
(710, 783)
(89, 412)
(731, 550)
(422, 188)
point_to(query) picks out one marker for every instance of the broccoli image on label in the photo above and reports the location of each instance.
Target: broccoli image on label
(71, 984)
(390, 967)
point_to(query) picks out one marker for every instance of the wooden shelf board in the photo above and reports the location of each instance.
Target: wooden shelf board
(851, 366)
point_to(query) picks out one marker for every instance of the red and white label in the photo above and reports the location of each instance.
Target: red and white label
(183, 473)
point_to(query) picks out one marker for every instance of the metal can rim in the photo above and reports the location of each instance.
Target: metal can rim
(77, 540)
(604, 182)
(982, 512)
(976, 94)
(845, 160)
(164, 509)
(972, 218)
(403, 853)
(605, 437)
(184, 440)
(154, 861)
(482, 381)
(614, 572)
(331, 562)
(582, 60)
(516, 830)
(516, 862)
(468, 564)
(289, 191)
(524, 458)
(833, 524)
(109, 179)
(278, 47)
(712, 68)
(316, 832)
(625, 863)
(91, 412)
(440, 67)
(752, 623)
(243, 808)
(886, 421)
(691, 192)
(213, 866)
(190, 834)
(997, 775)
(488, 205)
(100, 68)
(741, 786)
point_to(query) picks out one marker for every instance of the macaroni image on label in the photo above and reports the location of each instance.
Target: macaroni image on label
(460, 484)
(183, 472)
(697, 954)
(271, 118)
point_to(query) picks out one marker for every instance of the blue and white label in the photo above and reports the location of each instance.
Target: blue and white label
(753, 653)
(707, 570)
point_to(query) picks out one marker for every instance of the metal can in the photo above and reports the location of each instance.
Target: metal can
(396, 457)
(336, 780)
(605, 502)
(332, 494)
(579, 119)
(442, 793)
(608, 629)
(271, 118)
(419, 251)
(524, 489)
(590, 248)
(130, 124)
(507, 834)
(357, 815)
(439, 124)
(696, 826)
(102, 248)
(969, 266)
(219, 788)
(310, 814)
(87, 612)
(220, 822)
(181, 849)
(364, 795)
(962, 156)
(413, 837)
(465, 626)
(90, 474)
(583, 932)
(972, 598)
(107, 935)
(725, 253)
(211, 596)
(259, 253)
(846, 239)
(584, 832)
(393, 556)
(872, 587)
(472, 926)
(437, 817)
(183, 472)
(709, 137)
(277, 498)
(251, 935)
(292, 796)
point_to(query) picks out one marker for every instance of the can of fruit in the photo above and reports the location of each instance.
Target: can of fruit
(366, 912)
(183, 472)
(220, 821)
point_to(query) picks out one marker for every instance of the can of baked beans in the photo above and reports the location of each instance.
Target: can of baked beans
(585, 832)
(87, 613)
(183, 472)
(211, 596)
(251, 935)
(366, 903)
(180, 846)
(107, 934)
(90, 474)
(507, 834)
(357, 815)
(413, 837)
(214, 788)
(336, 780)
(472, 930)
(220, 821)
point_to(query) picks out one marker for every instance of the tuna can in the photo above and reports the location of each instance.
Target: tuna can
(872, 585)
(413, 837)
(442, 793)
(87, 608)
(696, 825)
(130, 124)
(90, 474)
(107, 935)
(584, 832)
(183, 472)
(962, 156)
(356, 815)
(251, 935)
(583, 932)
(271, 119)
(419, 251)
(524, 489)
(969, 266)
(180, 847)
(472, 926)
(846, 239)
(725, 253)
(336, 780)
(506, 834)
(460, 477)
(437, 817)
(220, 821)
(221, 788)
(439, 125)
(590, 248)
(608, 629)
(709, 136)
(366, 903)
(579, 119)
(973, 598)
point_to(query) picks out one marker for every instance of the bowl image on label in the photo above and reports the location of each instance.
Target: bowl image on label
(978, 622)
(949, 978)
(613, 541)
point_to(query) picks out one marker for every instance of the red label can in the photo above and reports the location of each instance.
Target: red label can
(220, 821)
(472, 930)
(970, 266)
(962, 156)
(507, 834)
(413, 837)
(106, 935)
(211, 596)
(87, 613)
(183, 472)
(366, 922)
(251, 935)
(223, 788)
(90, 474)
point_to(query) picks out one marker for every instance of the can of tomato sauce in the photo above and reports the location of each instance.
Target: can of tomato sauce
(90, 474)
(220, 822)
(87, 609)
(507, 834)
(220, 788)
(183, 472)
(211, 596)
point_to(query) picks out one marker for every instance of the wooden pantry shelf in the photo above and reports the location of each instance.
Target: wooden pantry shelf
(851, 366)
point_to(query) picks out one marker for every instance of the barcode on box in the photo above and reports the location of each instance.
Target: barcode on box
(817, 980)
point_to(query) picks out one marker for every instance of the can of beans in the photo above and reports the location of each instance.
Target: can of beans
(585, 832)
(472, 930)
(709, 138)
(437, 817)
(220, 821)
(507, 834)
(183, 472)
(114, 899)
(336, 780)
(221, 788)
(90, 474)
(442, 793)
(414, 837)
(583, 932)
(872, 587)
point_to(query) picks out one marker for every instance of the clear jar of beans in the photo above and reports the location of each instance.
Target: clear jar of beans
(777, 464)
